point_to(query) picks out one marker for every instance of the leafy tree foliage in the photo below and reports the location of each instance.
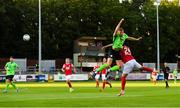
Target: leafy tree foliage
(63, 21)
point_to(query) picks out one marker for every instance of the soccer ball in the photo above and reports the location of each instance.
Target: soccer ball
(26, 37)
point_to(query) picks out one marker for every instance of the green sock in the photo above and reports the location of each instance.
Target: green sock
(7, 86)
(102, 67)
(114, 68)
(13, 85)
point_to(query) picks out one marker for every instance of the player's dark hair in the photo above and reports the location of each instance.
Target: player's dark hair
(126, 43)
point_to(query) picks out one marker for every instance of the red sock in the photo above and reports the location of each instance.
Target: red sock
(97, 83)
(69, 84)
(104, 83)
(108, 83)
(147, 69)
(123, 82)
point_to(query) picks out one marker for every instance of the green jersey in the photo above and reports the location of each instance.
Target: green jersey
(10, 68)
(118, 41)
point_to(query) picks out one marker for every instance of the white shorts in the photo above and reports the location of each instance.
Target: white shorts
(68, 77)
(130, 65)
(97, 76)
(103, 76)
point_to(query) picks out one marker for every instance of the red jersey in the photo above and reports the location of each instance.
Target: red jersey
(154, 73)
(126, 54)
(104, 71)
(95, 68)
(68, 68)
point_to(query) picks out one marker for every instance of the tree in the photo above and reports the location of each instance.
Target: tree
(63, 21)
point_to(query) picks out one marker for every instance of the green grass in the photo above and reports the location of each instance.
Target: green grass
(138, 94)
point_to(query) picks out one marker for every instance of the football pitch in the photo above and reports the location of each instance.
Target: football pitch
(56, 94)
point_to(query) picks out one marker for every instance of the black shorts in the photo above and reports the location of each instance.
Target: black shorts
(115, 55)
(10, 77)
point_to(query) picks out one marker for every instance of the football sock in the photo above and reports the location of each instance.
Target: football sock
(97, 83)
(102, 67)
(108, 83)
(7, 86)
(13, 85)
(115, 68)
(175, 80)
(123, 82)
(167, 84)
(147, 69)
(69, 84)
(104, 83)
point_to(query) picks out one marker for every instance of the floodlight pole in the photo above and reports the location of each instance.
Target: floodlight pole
(158, 51)
(39, 36)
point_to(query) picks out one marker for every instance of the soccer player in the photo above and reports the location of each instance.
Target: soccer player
(104, 79)
(67, 69)
(119, 38)
(175, 72)
(154, 77)
(129, 64)
(103, 76)
(97, 75)
(10, 68)
(166, 71)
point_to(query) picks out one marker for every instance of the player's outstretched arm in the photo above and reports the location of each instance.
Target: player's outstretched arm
(117, 27)
(134, 39)
(106, 46)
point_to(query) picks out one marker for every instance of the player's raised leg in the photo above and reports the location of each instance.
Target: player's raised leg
(105, 65)
(116, 67)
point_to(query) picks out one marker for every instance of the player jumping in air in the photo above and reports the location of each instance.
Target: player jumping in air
(119, 38)
(67, 69)
(129, 64)
(10, 68)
